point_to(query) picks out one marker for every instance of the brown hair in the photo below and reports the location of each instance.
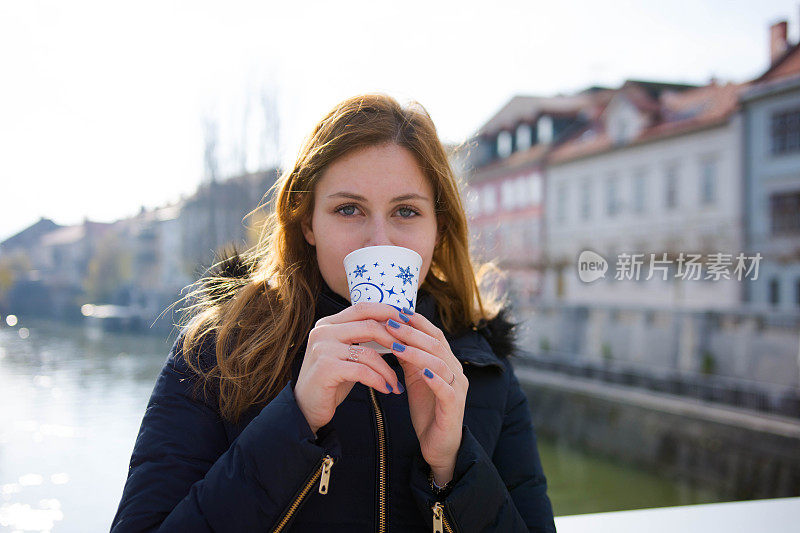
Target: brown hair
(262, 318)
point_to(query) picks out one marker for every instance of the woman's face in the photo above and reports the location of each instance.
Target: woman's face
(372, 196)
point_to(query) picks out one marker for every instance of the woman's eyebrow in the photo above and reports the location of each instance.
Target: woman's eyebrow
(354, 196)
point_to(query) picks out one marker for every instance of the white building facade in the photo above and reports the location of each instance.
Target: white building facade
(651, 194)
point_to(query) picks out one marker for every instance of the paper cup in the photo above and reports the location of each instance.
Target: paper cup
(387, 274)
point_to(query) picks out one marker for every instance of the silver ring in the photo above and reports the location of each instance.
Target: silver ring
(452, 380)
(355, 351)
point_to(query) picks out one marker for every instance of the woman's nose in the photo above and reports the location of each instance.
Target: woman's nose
(377, 235)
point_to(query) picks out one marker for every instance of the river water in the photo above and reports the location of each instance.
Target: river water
(73, 399)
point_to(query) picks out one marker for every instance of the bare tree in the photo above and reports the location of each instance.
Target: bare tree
(210, 139)
(269, 147)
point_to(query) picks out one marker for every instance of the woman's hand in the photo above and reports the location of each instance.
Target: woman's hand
(327, 375)
(436, 387)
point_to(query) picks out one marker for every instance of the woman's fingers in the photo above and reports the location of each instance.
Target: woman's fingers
(367, 358)
(364, 374)
(446, 393)
(434, 348)
(421, 323)
(422, 359)
(355, 331)
(360, 311)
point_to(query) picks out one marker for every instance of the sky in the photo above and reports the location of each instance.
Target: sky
(104, 105)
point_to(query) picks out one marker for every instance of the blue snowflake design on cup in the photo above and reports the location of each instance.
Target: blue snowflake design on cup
(384, 283)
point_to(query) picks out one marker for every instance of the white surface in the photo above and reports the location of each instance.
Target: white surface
(768, 516)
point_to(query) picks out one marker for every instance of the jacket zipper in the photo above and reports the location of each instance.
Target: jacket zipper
(381, 463)
(439, 520)
(323, 473)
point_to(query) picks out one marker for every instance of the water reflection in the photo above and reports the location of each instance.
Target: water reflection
(73, 402)
(580, 483)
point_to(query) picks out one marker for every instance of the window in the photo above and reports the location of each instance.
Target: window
(561, 202)
(535, 188)
(523, 191)
(797, 292)
(535, 232)
(473, 202)
(639, 181)
(523, 137)
(708, 181)
(620, 131)
(671, 187)
(612, 199)
(504, 144)
(544, 130)
(586, 200)
(784, 211)
(774, 291)
(507, 199)
(785, 131)
(489, 199)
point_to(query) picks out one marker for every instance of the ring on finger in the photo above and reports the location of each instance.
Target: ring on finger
(452, 380)
(355, 351)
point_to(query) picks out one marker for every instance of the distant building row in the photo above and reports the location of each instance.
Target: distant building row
(142, 261)
(646, 168)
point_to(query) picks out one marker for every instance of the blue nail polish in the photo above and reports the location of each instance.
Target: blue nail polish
(428, 373)
(389, 387)
(396, 346)
(408, 311)
(403, 317)
(393, 324)
(400, 387)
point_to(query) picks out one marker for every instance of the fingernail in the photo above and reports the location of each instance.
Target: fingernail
(400, 387)
(408, 311)
(393, 324)
(403, 317)
(396, 346)
(389, 387)
(428, 373)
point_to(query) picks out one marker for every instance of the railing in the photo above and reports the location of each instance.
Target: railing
(719, 389)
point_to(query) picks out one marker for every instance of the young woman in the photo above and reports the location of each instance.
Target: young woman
(266, 417)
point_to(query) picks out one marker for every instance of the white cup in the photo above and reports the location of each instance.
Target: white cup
(387, 274)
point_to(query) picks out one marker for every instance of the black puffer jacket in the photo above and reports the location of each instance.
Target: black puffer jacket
(192, 471)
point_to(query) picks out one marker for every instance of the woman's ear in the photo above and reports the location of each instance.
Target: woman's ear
(308, 231)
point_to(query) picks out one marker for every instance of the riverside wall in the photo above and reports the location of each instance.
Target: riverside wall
(743, 453)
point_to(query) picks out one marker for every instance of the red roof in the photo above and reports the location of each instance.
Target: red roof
(670, 114)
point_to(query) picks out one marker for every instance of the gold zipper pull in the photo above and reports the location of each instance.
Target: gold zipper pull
(325, 479)
(438, 523)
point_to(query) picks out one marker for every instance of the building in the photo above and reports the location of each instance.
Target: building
(505, 193)
(771, 114)
(652, 180)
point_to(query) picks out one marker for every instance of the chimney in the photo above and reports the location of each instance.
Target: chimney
(777, 41)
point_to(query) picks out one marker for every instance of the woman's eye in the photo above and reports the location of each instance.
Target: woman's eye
(347, 210)
(407, 212)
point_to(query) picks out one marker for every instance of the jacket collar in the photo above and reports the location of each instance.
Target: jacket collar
(468, 346)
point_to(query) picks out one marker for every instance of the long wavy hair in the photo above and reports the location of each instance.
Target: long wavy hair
(259, 318)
